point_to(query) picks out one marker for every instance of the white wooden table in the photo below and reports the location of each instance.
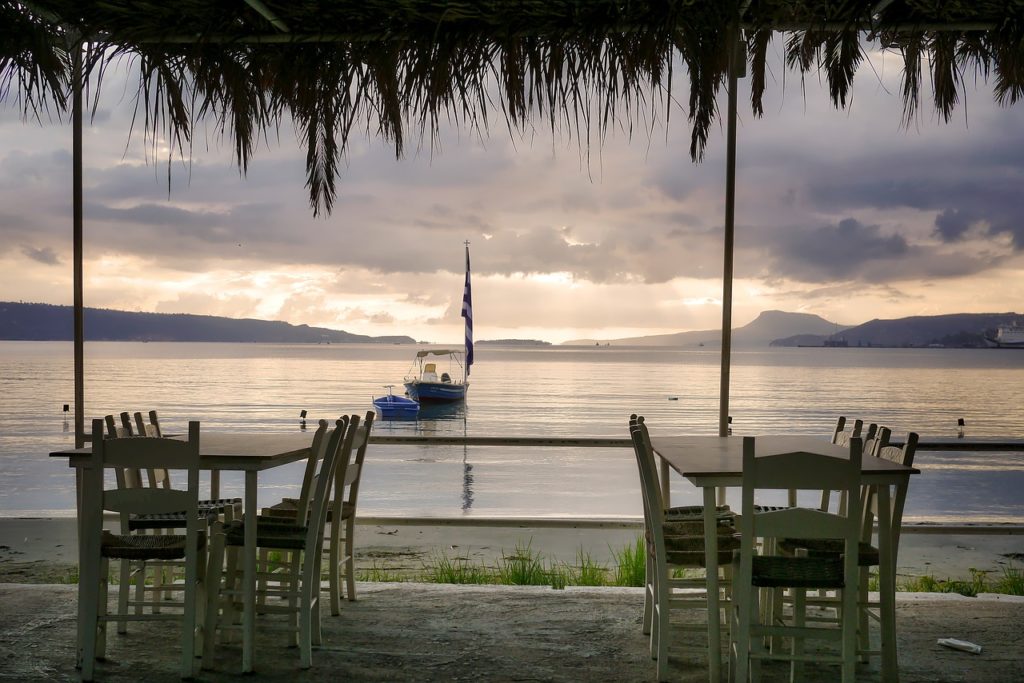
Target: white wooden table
(712, 462)
(250, 453)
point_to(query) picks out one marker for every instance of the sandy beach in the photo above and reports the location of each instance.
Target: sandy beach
(36, 550)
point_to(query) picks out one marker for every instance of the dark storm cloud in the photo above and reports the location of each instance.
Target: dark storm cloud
(852, 251)
(46, 255)
(832, 252)
(952, 224)
(973, 187)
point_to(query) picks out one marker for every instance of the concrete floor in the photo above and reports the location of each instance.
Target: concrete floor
(426, 632)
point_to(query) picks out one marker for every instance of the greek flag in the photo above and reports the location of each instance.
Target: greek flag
(467, 313)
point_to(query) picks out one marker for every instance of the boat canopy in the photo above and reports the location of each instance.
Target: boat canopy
(438, 352)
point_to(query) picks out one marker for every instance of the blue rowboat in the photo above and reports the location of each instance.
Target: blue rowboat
(393, 407)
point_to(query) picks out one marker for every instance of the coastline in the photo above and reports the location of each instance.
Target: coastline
(44, 550)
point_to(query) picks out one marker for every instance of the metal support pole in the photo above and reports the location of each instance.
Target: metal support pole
(76, 191)
(730, 217)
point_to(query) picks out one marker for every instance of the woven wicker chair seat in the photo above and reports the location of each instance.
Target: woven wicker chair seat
(209, 509)
(288, 507)
(696, 528)
(689, 551)
(270, 533)
(769, 508)
(696, 543)
(772, 571)
(693, 558)
(867, 554)
(145, 547)
(687, 512)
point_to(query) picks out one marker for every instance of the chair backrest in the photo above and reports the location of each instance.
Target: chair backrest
(350, 472)
(158, 476)
(337, 449)
(127, 477)
(842, 438)
(802, 471)
(872, 439)
(117, 428)
(151, 428)
(903, 455)
(145, 452)
(317, 451)
(654, 508)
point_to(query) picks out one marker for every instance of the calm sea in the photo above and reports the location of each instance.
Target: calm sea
(550, 391)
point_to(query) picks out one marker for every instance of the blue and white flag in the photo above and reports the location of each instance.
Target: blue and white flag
(467, 313)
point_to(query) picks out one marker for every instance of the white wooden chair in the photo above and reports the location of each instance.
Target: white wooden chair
(341, 514)
(674, 540)
(881, 610)
(340, 533)
(803, 472)
(99, 546)
(160, 579)
(299, 587)
(872, 439)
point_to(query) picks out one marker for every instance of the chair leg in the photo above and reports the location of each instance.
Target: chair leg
(648, 596)
(850, 616)
(295, 602)
(140, 588)
(188, 618)
(124, 588)
(660, 630)
(796, 669)
(310, 584)
(350, 557)
(199, 639)
(864, 626)
(101, 610)
(334, 564)
(215, 568)
(261, 586)
(741, 635)
(88, 612)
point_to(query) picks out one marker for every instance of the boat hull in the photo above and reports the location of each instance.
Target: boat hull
(392, 407)
(435, 392)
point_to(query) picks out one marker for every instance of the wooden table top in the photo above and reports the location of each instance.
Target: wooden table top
(232, 451)
(699, 458)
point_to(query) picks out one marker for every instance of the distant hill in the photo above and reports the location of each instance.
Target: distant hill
(512, 342)
(953, 330)
(768, 326)
(43, 322)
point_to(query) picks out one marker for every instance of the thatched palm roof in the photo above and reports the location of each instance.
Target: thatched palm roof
(398, 68)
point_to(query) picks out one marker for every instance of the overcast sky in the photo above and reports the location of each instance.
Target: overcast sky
(844, 214)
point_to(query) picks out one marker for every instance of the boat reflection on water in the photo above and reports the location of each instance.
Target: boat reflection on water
(439, 416)
(437, 419)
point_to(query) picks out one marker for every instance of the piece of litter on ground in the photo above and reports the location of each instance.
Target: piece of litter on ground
(963, 645)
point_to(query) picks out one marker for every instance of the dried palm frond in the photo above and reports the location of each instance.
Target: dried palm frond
(396, 68)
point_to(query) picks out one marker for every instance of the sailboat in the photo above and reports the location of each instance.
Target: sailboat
(424, 383)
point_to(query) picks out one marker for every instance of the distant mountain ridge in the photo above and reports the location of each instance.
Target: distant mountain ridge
(46, 322)
(779, 328)
(767, 327)
(951, 330)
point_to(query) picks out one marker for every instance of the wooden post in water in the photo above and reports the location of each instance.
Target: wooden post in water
(730, 222)
(76, 192)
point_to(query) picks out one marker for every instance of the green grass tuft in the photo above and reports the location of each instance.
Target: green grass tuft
(631, 564)
(459, 570)
(523, 568)
(587, 572)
